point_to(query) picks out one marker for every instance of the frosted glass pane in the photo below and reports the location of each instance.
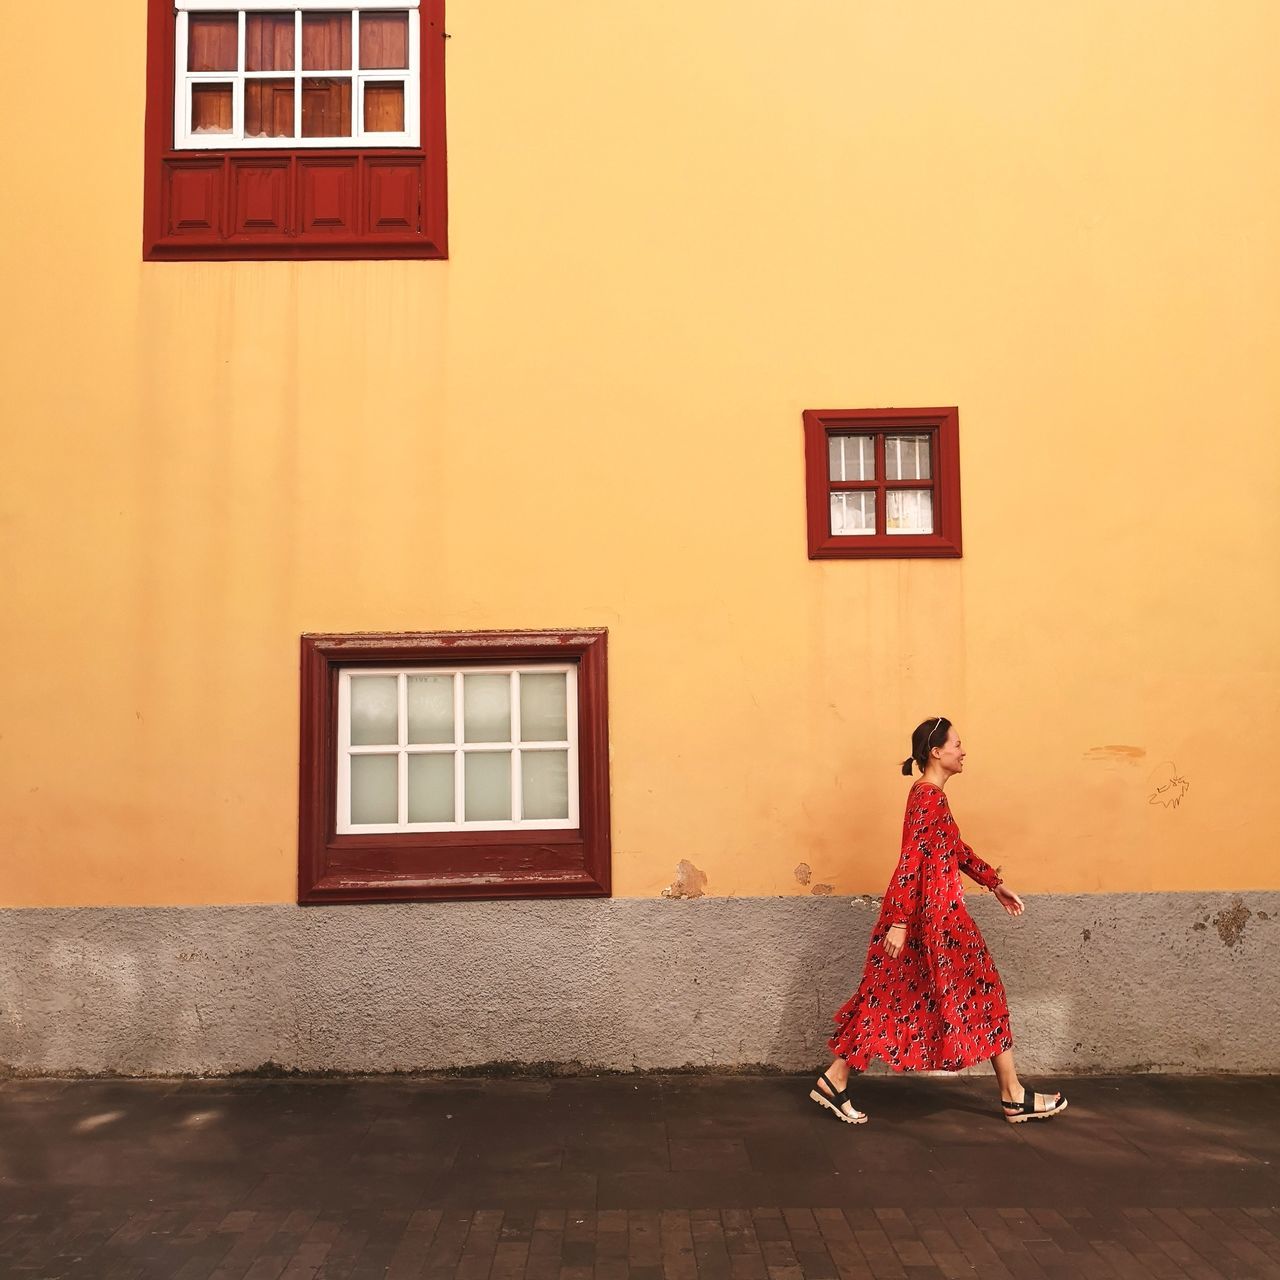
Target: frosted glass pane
(906, 457)
(374, 711)
(544, 708)
(430, 708)
(431, 788)
(546, 784)
(488, 786)
(373, 789)
(852, 457)
(486, 708)
(853, 514)
(909, 511)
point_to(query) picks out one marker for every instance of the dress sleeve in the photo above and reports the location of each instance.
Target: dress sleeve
(974, 867)
(902, 899)
(969, 862)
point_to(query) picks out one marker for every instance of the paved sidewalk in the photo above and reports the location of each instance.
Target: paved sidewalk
(635, 1178)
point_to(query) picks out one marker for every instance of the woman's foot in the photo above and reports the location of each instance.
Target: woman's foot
(1022, 1105)
(825, 1094)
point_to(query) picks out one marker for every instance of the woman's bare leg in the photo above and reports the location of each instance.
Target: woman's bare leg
(838, 1073)
(1011, 1089)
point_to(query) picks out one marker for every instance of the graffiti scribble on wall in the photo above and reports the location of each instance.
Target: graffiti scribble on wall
(1169, 786)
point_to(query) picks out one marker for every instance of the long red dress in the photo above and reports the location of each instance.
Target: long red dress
(940, 1005)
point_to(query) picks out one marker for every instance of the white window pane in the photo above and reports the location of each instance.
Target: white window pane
(486, 702)
(431, 788)
(906, 457)
(373, 789)
(430, 709)
(544, 708)
(374, 711)
(909, 511)
(851, 457)
(488, 786)
(853, 514)
(546, 784)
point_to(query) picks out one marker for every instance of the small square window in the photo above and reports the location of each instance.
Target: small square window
(882, 483)
(446, 765)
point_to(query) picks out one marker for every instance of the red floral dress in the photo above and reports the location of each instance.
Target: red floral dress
(940, 1005)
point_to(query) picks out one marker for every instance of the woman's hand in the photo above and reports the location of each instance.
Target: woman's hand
(1008, 899)
(894, 940)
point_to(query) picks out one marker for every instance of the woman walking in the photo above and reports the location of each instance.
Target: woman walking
(930, 997)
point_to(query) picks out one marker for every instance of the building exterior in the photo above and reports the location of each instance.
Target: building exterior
(563, 391)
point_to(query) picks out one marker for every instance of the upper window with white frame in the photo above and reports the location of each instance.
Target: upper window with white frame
(439, 749)
(324, 74)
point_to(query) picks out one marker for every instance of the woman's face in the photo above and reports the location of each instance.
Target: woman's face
(951, 754)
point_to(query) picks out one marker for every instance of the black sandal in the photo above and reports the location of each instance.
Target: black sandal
(837, 1101)
(1018, 1112)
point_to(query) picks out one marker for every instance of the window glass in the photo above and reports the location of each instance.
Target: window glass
(384, 40)
(909, 511)
(906, 457)
(212, 40)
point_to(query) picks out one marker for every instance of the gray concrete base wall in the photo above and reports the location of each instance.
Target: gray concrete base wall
(1120, 982)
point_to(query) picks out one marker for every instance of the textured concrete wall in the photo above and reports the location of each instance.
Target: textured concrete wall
(1178, 982)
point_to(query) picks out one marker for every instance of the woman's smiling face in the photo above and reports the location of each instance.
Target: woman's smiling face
(951, 754)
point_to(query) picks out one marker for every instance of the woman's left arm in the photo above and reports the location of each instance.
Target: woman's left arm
(974, 867)
(989, 877)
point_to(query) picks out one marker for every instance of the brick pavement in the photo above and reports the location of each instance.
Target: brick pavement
(634, 1178)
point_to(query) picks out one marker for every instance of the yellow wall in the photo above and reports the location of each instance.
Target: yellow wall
(675, 226)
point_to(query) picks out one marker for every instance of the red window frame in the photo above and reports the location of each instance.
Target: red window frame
(280, 203)
(943, 429)
(427, 866)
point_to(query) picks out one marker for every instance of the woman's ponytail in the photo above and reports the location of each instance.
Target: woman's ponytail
(906, 767)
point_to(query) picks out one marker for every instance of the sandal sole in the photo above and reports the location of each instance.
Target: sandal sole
(1038, 1115)
(835, 1111)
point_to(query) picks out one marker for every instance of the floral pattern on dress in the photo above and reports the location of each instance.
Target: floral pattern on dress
(940, 1006)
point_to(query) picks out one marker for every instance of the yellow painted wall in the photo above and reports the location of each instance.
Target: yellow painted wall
(674, 226)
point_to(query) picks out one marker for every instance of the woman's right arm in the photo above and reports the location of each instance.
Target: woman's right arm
(902, 900)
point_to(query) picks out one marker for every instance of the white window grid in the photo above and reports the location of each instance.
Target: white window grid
(184, 80)
(459, 749)
(908, 456)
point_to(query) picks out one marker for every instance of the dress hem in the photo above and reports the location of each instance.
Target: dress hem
(899, 1069)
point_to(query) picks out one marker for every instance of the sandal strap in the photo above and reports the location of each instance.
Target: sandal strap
(837, 1095)
(1028, 1104)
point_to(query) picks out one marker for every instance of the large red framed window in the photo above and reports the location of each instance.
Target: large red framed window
(312, 131)
(882, 483)
(454, 765)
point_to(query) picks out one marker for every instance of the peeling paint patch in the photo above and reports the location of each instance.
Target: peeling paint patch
(822, 890)
(689, 882)
(1129, 754)
(1200, 926)
(804, 873)
(1231, 922)
(864, 900)
(1086, 934)
(1264, 915)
